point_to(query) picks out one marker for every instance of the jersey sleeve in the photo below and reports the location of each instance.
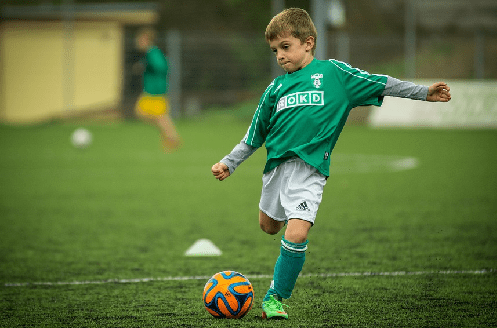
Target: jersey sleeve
(362, 88)
(238, 155)
(405, 89)
(259, 128)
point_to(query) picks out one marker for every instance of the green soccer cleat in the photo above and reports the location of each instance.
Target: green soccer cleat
(273, 309)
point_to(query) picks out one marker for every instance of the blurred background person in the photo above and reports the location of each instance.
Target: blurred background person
(153, 105)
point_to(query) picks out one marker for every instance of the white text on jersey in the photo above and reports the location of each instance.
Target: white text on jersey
(308, 98)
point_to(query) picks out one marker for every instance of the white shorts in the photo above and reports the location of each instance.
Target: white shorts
(292, 190)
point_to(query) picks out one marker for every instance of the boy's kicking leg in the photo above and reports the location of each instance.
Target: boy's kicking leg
(288, 265)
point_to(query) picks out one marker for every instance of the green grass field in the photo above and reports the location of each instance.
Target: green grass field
(73, 222)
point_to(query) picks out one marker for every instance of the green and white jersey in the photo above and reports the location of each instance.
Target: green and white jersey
(155, 75)
(302, 113)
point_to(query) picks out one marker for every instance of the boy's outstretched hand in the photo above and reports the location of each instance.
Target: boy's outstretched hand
(439, 91)
(220, 171)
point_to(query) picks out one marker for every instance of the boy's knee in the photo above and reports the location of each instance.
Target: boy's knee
(295, 236)
(268, 228)
(297, 231)
(269, 225)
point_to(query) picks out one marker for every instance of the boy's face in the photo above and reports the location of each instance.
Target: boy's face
(291, 54)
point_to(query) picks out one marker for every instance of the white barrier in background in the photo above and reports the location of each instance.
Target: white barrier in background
(473, 105)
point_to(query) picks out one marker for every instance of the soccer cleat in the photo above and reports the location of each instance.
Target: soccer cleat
(273, 309)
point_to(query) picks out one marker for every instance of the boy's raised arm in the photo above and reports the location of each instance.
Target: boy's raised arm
(439, 91)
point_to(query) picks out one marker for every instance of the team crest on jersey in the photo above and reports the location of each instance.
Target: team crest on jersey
(317, 79)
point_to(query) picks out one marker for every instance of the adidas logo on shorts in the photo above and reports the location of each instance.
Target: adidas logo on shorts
(303, 206)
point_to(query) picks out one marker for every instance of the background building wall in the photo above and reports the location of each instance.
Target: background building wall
(32, 59)
(37, 57)
(98, 61)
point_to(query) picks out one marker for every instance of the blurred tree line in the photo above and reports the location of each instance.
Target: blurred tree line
(374, 30)
(234, 15)
(250, 15)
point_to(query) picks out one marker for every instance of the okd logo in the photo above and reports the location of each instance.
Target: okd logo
(308, 98)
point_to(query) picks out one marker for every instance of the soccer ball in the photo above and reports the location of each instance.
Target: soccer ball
(81, 138)
(228, 294)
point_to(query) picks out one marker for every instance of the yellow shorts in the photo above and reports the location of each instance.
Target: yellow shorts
(153, 105)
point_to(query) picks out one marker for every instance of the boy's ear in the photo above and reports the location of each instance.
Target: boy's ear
(310, 43)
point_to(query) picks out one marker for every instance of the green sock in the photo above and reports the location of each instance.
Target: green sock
(287, 269)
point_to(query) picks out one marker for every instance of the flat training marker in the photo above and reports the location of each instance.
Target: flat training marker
(203, 247)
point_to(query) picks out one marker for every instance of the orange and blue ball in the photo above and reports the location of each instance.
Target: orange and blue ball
(228, 294)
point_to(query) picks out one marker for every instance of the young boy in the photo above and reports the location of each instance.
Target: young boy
(153, 105)
(299, 118)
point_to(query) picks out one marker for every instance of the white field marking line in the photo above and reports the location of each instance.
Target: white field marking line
(260, 276)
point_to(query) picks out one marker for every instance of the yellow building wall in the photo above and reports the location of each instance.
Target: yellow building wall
(98, 52)
(31, 58)
(45, 75)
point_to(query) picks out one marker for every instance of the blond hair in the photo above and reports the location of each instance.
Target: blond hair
(292, 21)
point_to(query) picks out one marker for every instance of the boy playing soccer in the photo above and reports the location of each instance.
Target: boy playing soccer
(299, 118)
